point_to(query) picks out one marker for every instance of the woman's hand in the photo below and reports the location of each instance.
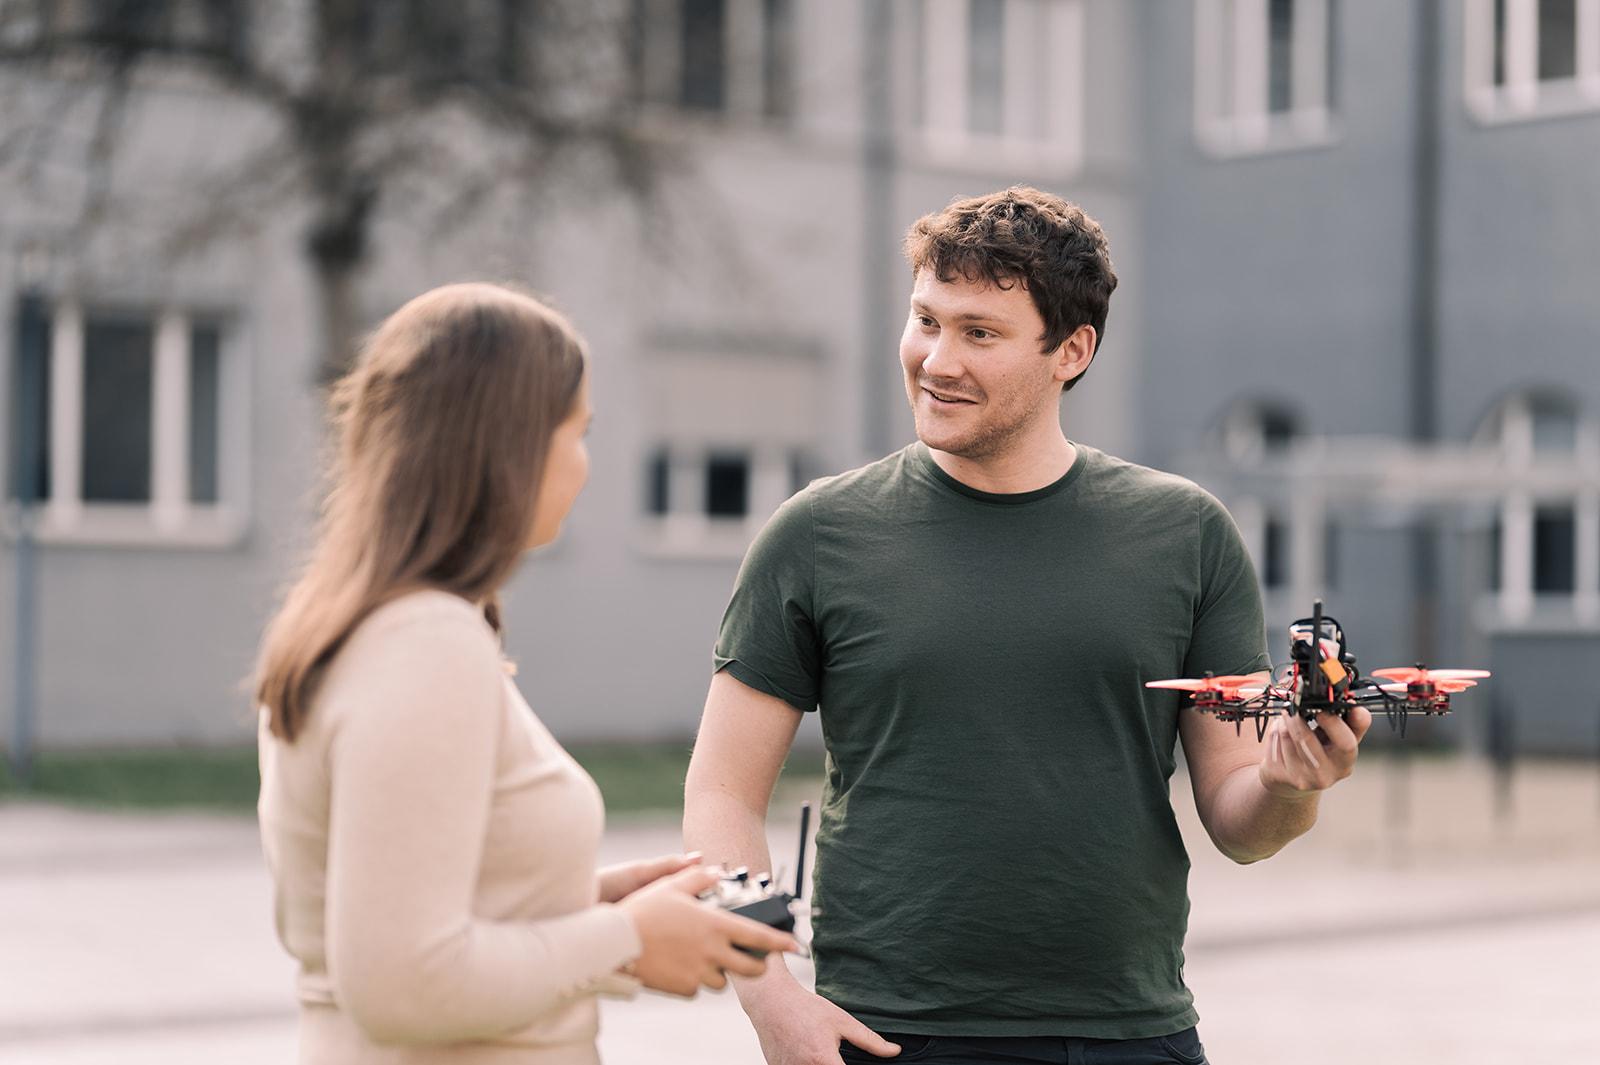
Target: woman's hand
(623, 879)
(688, 944)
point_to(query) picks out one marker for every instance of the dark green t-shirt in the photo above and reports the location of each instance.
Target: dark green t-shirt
(997, 852)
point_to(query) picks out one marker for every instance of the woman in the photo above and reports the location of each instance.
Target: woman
(432, 846)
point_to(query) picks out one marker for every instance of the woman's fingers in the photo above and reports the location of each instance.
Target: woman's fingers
(740, 963)
(755, 935)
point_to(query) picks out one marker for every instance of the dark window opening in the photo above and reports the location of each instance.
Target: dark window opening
(1496, 536)
(1278, 429)
(1275, 555)
(30, 405)
(1554, 558)
(777, 58)
(703, 84)
(118, 383)
(728, 486)
(1280, 56)
(205, 411)
(1499, 42)
(1558, 39)
(656, 480)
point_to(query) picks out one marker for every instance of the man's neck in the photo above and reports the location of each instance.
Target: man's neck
(1025, 468)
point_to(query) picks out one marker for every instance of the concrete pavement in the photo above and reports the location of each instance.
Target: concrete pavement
(1458, 936)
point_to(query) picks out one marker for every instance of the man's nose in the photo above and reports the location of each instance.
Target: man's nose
(941, 360)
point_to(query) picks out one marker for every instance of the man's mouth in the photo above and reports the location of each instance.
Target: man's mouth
(947, 398)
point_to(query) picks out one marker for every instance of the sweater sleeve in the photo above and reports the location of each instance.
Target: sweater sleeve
(412, 766)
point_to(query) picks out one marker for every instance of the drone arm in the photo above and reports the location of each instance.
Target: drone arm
(1245, 821)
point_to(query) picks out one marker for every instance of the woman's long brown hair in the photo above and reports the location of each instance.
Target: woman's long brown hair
(443, 429)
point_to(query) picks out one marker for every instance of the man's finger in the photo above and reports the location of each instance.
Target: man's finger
(714, 978)
(1338, 734)
(1303, 748)
(859, 1035)
(1359, 719)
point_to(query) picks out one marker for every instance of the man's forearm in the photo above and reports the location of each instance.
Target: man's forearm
(1250, 823)
(726, 830)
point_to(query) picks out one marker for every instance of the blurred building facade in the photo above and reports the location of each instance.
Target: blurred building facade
(1300, 195)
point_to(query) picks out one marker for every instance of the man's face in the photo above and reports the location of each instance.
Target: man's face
(976, 378)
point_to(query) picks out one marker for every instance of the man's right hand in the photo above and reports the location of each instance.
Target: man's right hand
(798, 1027)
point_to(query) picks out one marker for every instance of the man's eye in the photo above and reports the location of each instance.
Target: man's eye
(981, 334)
(924, 321)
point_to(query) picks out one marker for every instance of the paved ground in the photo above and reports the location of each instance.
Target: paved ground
(1460, 937)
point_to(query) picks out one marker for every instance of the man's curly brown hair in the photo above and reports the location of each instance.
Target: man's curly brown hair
(1022, 234)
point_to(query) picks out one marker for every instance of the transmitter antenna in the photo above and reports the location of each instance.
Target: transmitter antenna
(800, 864)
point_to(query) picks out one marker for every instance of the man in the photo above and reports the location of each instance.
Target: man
(999, 873)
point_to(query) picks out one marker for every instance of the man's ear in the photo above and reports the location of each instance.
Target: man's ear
(1075, 353)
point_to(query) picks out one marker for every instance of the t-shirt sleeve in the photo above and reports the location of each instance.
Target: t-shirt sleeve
(1229, 635)
(768, 639)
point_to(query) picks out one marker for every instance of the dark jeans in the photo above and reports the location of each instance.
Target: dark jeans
(1181, 1048)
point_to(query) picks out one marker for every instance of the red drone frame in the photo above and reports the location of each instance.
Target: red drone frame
(1321, 678)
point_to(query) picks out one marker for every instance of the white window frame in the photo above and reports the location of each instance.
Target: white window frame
(170, 518)
(745, 83)
(1042, 110)
(687, 530)
(1231, 71)
(1524, 95)
(1516, 603)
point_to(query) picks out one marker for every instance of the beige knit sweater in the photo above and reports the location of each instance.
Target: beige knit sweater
(433, 853)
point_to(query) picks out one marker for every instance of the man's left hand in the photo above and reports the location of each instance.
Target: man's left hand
(1301, 761)
(623, 879)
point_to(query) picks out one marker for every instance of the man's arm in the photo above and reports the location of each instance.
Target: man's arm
(744, 737)
(1254, 796)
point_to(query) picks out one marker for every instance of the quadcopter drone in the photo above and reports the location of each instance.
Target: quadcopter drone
(1321, 678)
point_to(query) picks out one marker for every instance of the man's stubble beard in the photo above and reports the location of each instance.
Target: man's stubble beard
(988, 441)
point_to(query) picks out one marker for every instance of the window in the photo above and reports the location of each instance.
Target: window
(692, 485)
(1544, 544)
(1263, 74)
(213, 27)
(996, 75)
(718, 57)
(717, 461)
(128, 423)
(1527, 58)
(1291, 536)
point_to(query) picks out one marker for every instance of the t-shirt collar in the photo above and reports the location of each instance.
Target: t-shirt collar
(924, 460)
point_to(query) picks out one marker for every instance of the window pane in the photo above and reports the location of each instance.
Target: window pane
(1280, 52)
(985, 66)
(1494, 539)
(777, 55)
(1275, 564)
(1555, 428)
(1499, 42)
(702, 83)
(728, 486)
(205, 398)
(657, 474)
(1553, 556)
(118, 375)
(1278, 428)
(1558, 43)
(30, 403)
